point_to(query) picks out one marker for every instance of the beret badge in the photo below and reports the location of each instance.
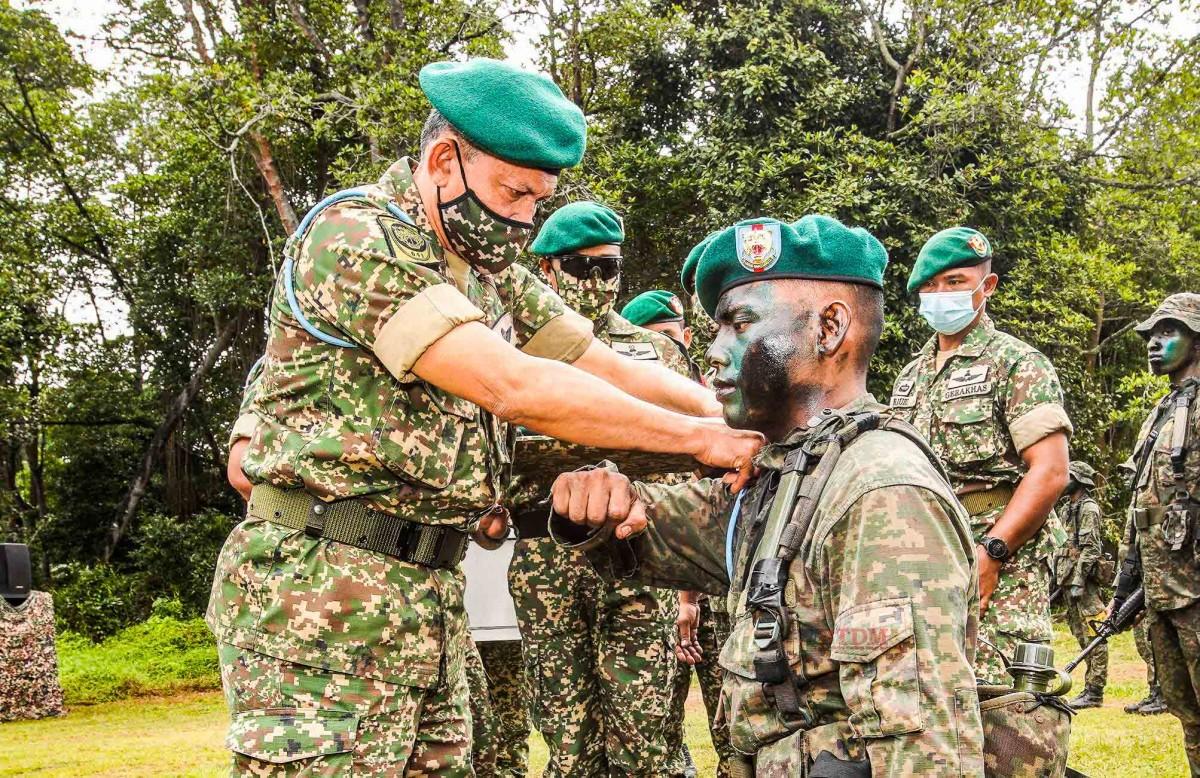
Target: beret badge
(758, 246)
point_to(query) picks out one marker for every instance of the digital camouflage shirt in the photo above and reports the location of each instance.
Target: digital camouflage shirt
(355, 422)
(1076, 562)
(992, 399)
(883, 598)
(1171, 578)
(29, 687)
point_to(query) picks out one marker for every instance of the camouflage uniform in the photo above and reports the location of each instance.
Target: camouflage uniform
(992, 398)
(711, 636)
(29, 687)
(483, 719)
(1141, 639)
(1172, 577)
(504, 672)
(1076, 565)
(882, 599)
(334, 657)
(599, 656)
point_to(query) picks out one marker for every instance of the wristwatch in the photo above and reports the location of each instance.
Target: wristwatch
(996, 548)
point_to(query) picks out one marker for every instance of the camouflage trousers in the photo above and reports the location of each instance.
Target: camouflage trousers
(291, 719)
(1175, 636)
(713, 631)
(483, 719)
(1079, 611)
(600, 664)
(1019, 611)
(504, 674)
(1141, 638)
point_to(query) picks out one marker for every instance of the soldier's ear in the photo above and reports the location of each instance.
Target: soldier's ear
(687, 337)
(441, 162)
(832, 327)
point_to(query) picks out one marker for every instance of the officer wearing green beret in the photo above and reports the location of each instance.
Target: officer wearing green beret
(992, 408)
(403, 343)
(849, 564)
(661, 311)
(1077, 574)
(599, 716)
(1162, 535)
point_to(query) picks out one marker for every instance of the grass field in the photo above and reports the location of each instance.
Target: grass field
(182, 735)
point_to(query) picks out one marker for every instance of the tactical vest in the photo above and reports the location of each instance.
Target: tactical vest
(1025, 734)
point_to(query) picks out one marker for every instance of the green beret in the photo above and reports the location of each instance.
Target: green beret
(578, 226)
(687, 276)
(657, 305)
(1183, 307)
(510, 113)
(955, 247)
(815, 247)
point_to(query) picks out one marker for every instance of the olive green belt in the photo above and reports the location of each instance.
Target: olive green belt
(353, 523)
(979, 503)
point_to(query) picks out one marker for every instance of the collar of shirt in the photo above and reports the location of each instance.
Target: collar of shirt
(397, 183)
(973, 345)
(771, 456)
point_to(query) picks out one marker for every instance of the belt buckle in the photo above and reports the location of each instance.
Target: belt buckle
(766, 630)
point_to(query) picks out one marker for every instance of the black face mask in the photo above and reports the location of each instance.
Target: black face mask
(478, 234)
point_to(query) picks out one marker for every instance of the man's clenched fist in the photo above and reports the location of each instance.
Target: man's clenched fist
(598, 497)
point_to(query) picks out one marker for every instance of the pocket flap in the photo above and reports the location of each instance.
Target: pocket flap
(968, 411)
(282, 735)
(862, 633)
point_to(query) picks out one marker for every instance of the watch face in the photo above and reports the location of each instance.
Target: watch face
(997, 549)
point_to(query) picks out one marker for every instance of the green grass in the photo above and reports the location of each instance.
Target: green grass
(161, 656)
(182, 735)
(1107, 741)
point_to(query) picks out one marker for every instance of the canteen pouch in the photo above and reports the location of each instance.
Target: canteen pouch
(1025, 735)
(322, 739)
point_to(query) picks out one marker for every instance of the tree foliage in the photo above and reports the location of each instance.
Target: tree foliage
(143, 206)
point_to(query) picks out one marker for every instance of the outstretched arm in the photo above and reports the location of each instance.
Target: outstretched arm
(473, 362)
(649, 381)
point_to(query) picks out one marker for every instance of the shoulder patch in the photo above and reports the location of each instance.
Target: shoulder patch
(634, 350)
(405, 240)
(504, 327)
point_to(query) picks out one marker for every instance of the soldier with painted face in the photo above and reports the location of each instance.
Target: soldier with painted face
(599, 656)
(1076, 570)
(852, 584)
(1164, 526)
(403, 342)
(991, 407)
(702, 625)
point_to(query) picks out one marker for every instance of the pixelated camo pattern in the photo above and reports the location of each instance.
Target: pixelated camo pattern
(29, 687)
(882, 604)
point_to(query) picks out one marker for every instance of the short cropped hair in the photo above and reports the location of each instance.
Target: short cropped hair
(437, 125)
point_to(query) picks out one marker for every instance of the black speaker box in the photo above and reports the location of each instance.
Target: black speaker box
(16, 574)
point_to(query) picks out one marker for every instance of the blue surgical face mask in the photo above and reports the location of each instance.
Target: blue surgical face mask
(950, 312)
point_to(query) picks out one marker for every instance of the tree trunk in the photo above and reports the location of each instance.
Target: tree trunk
(154, 450)
(265, 160)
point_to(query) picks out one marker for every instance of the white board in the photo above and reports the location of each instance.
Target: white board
(491, 614)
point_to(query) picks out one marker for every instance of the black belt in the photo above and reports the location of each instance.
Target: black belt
(353, 523)
(533, 523)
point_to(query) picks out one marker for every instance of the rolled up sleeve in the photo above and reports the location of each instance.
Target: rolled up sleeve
(419, 323)
(1039, 423)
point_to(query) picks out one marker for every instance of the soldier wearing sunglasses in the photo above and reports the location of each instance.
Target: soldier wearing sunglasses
(599, 654)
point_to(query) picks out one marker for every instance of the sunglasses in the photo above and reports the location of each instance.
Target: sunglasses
(581, 265)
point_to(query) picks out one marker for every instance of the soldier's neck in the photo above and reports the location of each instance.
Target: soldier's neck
(1189, 371)
(809, 402)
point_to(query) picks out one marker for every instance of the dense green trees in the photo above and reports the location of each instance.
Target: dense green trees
(142, 208)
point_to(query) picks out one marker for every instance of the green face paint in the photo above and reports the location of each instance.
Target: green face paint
(1169, 348)
(759, 356)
